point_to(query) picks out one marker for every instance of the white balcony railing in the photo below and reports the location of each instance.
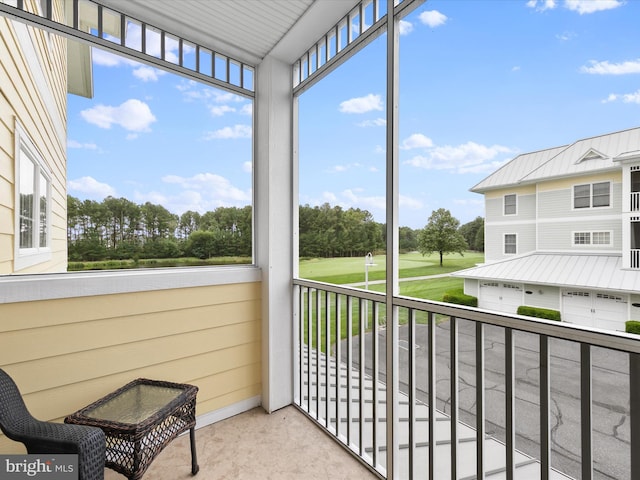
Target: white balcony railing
(635, 258)
(477, 394)
(635, 201)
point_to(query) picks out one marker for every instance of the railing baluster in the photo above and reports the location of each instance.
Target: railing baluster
(480, 428)
(349, 366)
(411, 340)
(545, 404)
(510, 395)
(361, 332)
(586, 411)
(327, 358)
(634, 412)
(453, 353)
(376, 379)
(338, 361)
(318, 316)
(432, 395)
(309, 335)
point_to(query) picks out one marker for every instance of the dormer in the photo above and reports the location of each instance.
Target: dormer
(591, 154)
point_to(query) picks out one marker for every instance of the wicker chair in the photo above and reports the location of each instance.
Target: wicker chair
(48, 437)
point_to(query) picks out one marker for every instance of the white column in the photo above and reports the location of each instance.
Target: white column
(273, 200)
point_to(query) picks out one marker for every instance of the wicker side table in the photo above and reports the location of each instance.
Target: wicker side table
(139, 420)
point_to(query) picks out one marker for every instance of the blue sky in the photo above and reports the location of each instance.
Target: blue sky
(480, 82)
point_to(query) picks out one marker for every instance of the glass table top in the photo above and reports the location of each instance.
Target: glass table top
(135, 404)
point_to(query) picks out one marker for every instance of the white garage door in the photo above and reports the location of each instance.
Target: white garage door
(500, 296)
(593, 309)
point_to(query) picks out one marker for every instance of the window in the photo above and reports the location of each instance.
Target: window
(510, 204)
(510, 244)
(592, 195)
(33, 201)
(592, 238)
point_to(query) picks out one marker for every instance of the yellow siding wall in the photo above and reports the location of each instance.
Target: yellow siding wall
(22, 100)
(66, 353)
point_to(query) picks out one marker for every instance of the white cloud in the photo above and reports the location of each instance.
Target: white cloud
(378, 122)
(580, 6)
(606, 68)
(237, 131)
(515, 68)
(433, 18)
(416, 140)
(91, 187)
(353, 198)
(220, 110)
(214, 186)
(247, 167)
(364, 104)
(469, 157)
(409, 202)
(148, 74)
(566, 36)
(85, 146)
(591, 6)
(107, 59)
(247, 109)
(405, 27)
(132, 115)
(542, 5)
(626, 98)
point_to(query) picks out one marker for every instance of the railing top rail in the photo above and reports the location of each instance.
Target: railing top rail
(600, 338)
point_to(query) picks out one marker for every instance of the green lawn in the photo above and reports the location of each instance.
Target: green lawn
(351, 270)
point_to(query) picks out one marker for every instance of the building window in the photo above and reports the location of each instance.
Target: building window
(510, 244)
(33, 201)
(592, 238)
(510, 204)
(592, 195)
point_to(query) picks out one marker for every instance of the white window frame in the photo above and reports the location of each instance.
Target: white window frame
(590, 185)
(504, 204)
(26, 257)
(591, 234)
(504, 243)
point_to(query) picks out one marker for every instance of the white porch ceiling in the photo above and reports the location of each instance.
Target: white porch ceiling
(246, 30)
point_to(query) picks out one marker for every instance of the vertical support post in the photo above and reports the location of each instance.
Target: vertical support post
(392, 284)
(349, 366)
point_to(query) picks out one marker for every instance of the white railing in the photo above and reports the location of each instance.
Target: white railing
(635, 258)
(509, 396)
(635, 201)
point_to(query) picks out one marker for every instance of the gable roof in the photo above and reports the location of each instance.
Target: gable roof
(602, 272)
(592, 154)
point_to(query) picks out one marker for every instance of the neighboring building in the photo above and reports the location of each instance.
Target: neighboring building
(38, 69)
(562, 231)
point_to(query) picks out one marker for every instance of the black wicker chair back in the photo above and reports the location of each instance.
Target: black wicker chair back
(48, 437)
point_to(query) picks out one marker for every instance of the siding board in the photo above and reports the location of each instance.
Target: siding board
(84, 309)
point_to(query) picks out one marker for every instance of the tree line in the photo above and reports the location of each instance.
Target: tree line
(119, 229)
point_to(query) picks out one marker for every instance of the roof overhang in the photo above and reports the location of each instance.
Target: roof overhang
(245, 30)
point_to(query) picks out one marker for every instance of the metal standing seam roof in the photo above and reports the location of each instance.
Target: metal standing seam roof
(588, 271)
(568, 160)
